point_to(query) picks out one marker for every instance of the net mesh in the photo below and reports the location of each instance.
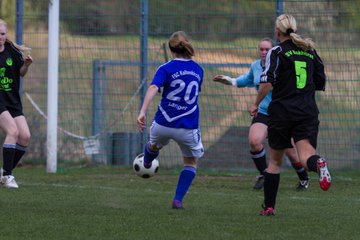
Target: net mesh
(99, 75)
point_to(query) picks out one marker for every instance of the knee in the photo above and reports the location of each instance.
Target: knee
(274, 166)
(12, 132)
(24, 138)
(255, 144)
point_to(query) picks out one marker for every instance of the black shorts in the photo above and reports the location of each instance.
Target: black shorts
(14, 111)
(280, 132)
(260, 118)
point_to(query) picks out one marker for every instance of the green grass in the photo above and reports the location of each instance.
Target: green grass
(113, 203)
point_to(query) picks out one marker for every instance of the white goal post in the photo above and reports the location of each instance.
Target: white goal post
(52, 93)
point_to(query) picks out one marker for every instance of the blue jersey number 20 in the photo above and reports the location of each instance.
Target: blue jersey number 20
(179, 86)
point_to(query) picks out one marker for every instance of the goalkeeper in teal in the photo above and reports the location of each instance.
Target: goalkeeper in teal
(259, 125)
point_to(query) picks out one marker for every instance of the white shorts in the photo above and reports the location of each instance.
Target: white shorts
(189, 140)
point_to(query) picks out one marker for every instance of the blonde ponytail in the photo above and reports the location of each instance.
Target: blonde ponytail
(25, 51)
(303, 43)
(286, 23)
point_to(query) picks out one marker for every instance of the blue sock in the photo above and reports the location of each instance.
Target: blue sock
(186, 177)
(149, 155)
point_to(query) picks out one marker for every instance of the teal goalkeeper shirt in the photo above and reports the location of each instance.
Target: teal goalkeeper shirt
(252, 79)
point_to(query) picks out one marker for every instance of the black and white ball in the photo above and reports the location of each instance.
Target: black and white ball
(141, 171)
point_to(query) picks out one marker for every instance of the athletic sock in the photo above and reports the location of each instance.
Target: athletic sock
(149, 156)
(271, 185)
(186, 177)
(312, 163)
(259, 158)
(300, 170)
(8, 158)
(19, 152)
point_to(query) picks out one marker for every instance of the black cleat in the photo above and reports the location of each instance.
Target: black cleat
(303, 185)
(259, 182)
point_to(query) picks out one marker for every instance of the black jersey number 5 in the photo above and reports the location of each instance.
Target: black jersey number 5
(301, 74)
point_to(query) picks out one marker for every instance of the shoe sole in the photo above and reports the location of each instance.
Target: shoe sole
(267, 214)
(177, 206)
(8, 186)
(11, 187)
(324, 176)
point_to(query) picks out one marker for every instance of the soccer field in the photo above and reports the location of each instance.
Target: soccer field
(113, 203)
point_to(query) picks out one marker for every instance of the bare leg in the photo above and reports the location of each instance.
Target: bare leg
(257, 135)
(313, 162)
(8, 124)
(293, 156)
(23, 139)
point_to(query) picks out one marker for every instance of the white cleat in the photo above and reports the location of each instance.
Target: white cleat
(324, 174)
(9, 181)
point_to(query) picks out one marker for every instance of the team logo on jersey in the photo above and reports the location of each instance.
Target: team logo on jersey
(9, 61)
(5, 82)
(2, 72)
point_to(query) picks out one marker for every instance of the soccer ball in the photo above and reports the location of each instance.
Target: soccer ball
(141, 171)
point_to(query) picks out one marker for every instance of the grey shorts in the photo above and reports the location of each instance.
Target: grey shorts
(189, 140)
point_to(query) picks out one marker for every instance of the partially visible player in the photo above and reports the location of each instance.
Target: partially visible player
(14, 63)
(259, 124)
(177, 117)
(293, 71)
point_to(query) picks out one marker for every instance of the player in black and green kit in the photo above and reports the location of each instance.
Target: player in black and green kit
(14, 63)
(293, 71)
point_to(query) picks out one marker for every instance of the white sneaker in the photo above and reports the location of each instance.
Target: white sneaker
(9, 181)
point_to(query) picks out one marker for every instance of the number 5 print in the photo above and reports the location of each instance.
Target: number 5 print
(301, 75)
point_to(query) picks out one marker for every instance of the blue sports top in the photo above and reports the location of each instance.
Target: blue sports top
(252, 79)
(181, 81)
